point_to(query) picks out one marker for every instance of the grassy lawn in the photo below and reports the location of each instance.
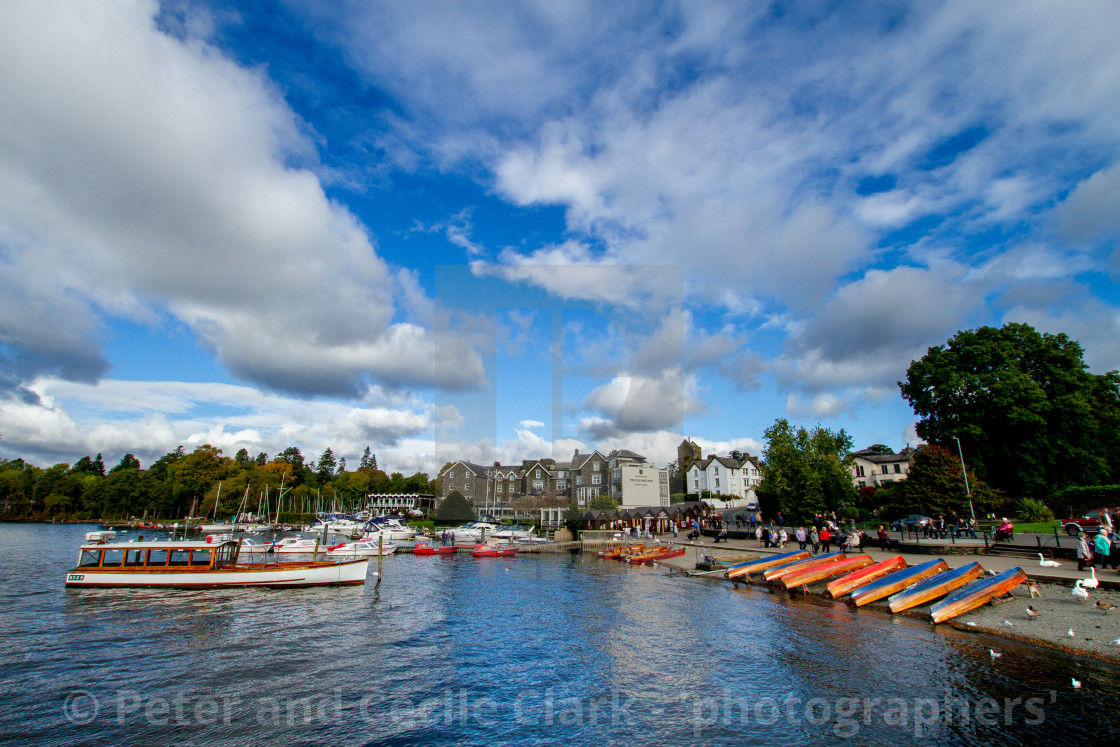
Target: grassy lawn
(1044, 527)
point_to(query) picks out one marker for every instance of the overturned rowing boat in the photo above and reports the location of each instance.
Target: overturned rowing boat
(864, 576)
(897, 581)
(975, 594)
(825, 570)
(755, 566)
(775, 573)
(934, 587)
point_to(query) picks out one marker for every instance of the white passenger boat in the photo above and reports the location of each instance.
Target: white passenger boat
(390, 527)
(361, 549)
(473, 532)
(200, 565)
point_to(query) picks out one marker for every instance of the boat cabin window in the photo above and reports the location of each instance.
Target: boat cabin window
(157, 557)
(180, 557)
(90, 558)
(200, 557)
(113, 557)
(134, 557)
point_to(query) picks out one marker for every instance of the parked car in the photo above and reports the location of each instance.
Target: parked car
(910, 521)
(1089, 522)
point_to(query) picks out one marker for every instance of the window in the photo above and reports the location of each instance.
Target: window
(450, 474)
(538, 473)
(595, 479)
(884, 469)
(595, 466)
(579, 479)
(898, 469)
(859, 471)
(538, 485)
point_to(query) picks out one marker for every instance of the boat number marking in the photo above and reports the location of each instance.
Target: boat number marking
(75, 577)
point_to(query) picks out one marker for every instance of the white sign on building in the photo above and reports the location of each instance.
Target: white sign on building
(644, 485)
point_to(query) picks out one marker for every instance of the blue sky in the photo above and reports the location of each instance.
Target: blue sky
(497, 230)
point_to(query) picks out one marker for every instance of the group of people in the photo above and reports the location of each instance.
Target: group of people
(955, 526)
(1104, 549)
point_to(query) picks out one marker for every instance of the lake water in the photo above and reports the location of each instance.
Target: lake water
(538, 649)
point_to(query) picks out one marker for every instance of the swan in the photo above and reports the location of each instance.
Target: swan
(1048, 563)
(1091, 583)
(1079, 592)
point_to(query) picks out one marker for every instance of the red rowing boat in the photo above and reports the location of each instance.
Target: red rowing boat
(856, 579)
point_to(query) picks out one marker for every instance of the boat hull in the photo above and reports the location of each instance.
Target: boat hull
(284, 575)
(755, 566)
(774, 574)
(934, 587)
(897, 581)
(665, 555)
(428, 550)
(849, 583)
(826, 570)
(976, 594)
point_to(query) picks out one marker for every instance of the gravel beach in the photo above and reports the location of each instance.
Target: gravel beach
(1094, 632)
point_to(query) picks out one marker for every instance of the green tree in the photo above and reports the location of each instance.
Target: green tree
(128, 461)
(454, 509)
(369, 460)
(805, 472)
(327, 466)
(603, 503)
(936, 486)
(1030, 417)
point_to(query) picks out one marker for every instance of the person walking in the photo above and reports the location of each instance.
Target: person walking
(758, 534)
(1100, 548)
(815, 538)
(826, 540)
(884, 540)
(1084, 554)
(801, 537)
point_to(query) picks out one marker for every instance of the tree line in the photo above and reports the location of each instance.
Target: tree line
(202, 481)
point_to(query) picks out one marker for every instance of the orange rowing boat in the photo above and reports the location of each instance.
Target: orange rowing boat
(755, 566)
(777, 572)
(825, 570)
(897, 581)
(975, 594)
(934, 587)
(864, 576)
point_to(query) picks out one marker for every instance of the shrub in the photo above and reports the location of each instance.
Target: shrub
(1032, 510)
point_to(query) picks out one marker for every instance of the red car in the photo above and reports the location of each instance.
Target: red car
(1089, 522)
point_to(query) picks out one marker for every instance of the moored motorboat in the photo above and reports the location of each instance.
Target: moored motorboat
(934, 587)
(425, 547)
(757, 566)
(200, 565)
(825, 570)
(492, 550)
(864, 576)
(299, 545)
(897, 581)
(979, 592)
(771, 575)
(361, 549)
(649, 553)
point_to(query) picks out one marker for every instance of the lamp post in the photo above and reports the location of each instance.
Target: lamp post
(967, 492)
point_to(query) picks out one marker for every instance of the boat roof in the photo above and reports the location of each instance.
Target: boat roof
(156, 545)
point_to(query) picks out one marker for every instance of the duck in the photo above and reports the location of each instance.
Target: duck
(1076, 684)
(1079, 592)
(1091, 583)
(1048, 563)
(1105, 607)
(995, 654)
(1032, 613)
